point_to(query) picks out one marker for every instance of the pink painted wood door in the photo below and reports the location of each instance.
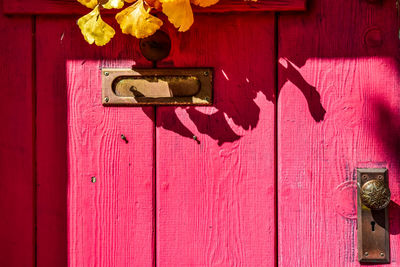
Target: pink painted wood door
(263, 177)
(161, 198)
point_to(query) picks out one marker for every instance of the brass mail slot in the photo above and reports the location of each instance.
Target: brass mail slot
(157, 87)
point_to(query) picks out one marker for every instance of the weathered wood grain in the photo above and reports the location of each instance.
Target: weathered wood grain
(16, 143)
(330, 63)
(68, 7)
(215, 194)
(108, 222)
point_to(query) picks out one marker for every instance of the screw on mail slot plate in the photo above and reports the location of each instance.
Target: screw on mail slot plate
(157, 87)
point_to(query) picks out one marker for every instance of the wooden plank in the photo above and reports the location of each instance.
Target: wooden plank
(215, 195)
(108, 222)
(338, 110)
(16, 143)
(69, 7)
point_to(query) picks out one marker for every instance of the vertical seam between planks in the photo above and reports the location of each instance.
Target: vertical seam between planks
(276, 57)
(34, 136)
(155, 187)
(155, 181)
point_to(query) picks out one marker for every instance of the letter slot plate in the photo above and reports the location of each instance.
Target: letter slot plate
(140, 87)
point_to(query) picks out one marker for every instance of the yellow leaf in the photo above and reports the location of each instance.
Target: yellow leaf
(88, 3)
(204, 3)
(94, 29)
(130, 1)
(114, 4)
(179, 13)
(137, 21)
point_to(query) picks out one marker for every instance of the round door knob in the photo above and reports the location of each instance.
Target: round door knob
(375, 194)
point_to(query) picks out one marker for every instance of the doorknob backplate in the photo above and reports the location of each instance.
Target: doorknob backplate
(373, 195)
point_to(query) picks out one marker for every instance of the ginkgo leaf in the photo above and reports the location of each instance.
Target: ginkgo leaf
(94, 29)
(137, 21)
(114, 4)
(204, 3)
(88, 3)
(179, 13)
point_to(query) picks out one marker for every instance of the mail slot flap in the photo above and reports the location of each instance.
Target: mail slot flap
(157, 86)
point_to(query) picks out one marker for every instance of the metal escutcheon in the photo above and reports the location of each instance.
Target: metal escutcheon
(372, 216)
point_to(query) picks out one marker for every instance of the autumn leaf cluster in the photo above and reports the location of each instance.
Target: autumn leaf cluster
(136, 19)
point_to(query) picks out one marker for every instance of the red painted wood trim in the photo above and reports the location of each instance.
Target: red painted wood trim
(16, 143)
(81, 223)
(215, 194)
(72, 7)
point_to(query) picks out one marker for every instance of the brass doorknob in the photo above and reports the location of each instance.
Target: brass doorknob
(375, 194)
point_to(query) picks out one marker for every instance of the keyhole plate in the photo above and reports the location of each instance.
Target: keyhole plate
(372, 225)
